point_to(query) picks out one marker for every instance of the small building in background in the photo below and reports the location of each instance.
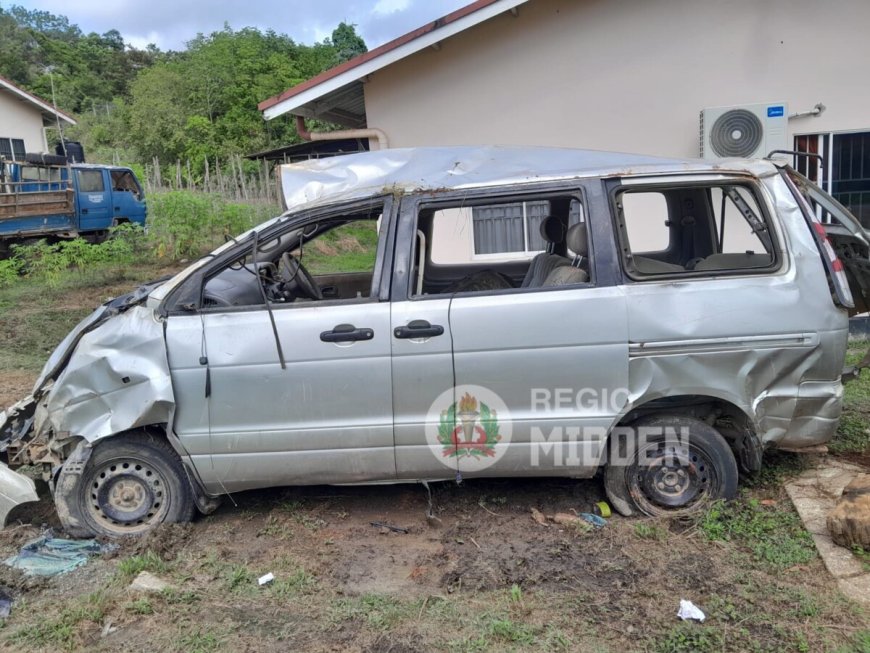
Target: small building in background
(23, 119)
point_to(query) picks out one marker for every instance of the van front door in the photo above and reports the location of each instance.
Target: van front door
(326, 416)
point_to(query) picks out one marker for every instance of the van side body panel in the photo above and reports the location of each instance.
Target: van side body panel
(771, 344)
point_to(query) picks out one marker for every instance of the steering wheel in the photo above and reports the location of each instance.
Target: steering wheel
(297, 279)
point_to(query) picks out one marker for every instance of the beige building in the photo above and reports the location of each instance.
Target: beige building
(625, 75)
(23, 119)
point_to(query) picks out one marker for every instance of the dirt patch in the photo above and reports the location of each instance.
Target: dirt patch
(488, 574)
(19, 582)
(165, 541)
(15, 385)
(324, 248)
(349, 244)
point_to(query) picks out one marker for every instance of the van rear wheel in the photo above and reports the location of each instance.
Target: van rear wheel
(674, 466)
(131, 484)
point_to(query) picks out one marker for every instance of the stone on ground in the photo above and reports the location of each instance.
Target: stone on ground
(148, 582)
(849, 522)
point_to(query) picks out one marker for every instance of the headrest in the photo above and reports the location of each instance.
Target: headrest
(576, 239)
(552, 230)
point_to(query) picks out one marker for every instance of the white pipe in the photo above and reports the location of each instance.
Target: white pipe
(369, 132)
(817, 110)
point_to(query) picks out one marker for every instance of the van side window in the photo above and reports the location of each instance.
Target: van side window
(646, 221)
(90, 181)
(694, 229)
(339, 254)
(487, 245)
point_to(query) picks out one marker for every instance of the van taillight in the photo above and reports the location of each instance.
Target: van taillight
(837, 268)
(833, 264)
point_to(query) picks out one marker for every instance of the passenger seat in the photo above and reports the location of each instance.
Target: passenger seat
(553, 233)
(565, 275)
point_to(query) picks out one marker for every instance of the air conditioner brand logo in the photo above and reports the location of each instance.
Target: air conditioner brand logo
(776, 111)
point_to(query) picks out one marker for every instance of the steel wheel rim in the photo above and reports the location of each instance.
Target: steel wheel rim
(670, 479)
(127, 496)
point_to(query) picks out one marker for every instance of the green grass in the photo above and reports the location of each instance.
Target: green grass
(297, 582)
(129, 568)
(860, 643)
(141, 606)
(35, 317)
(62, 630)
(349, 248)
(380, 611)
(853, 434)
(239, 579)
(690, 637)
(199, 641)
(778, 466)
(650, 532)
(774, 535)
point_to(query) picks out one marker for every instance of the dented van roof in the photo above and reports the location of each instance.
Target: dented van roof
(359, 175)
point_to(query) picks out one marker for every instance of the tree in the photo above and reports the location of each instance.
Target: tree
(347, 43)
(197, 104)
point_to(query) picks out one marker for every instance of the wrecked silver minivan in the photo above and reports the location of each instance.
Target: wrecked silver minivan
(503, 312)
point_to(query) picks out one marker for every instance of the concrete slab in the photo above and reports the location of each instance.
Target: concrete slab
(814, 494)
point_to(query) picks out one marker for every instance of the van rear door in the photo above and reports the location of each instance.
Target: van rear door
(848, 238)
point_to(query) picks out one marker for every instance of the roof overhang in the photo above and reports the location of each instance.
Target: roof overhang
(336, 95)
(49, 112)
(312, 150)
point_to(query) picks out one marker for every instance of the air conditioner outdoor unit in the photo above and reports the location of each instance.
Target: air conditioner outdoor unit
(747, 131)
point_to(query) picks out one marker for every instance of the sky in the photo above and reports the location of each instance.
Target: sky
(170, 23)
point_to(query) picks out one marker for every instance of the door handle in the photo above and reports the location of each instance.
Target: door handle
(84, 210)
(418, 329)
(346, 333)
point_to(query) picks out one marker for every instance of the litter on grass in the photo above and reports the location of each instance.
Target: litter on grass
(6, 601)
(689, 610)
(49, 556)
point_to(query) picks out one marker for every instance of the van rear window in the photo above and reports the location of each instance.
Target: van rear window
(692, 229)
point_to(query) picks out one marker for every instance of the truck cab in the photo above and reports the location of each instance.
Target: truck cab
(41, 200)
(106, 196)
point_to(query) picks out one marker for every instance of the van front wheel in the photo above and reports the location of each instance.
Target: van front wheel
(669, 466)
(131, 484)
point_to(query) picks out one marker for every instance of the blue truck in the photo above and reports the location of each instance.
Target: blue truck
(42, 199)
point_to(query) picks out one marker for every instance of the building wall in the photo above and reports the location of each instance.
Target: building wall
(628, 75)
(21, 120)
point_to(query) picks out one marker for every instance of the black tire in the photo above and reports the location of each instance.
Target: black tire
(45, 159)
(664, 477)
(130, 484)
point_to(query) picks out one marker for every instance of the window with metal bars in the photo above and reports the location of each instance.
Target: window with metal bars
(515, 227)
(12, 148)
(844, 169)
